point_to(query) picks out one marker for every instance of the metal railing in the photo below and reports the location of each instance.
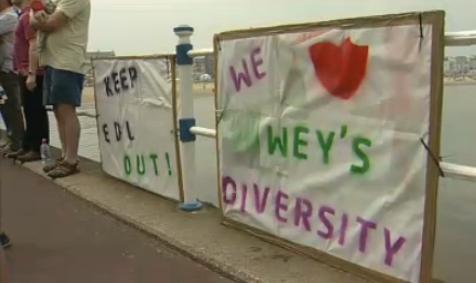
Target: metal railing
(204, 132)
(79, 112)
(460, 38)
(461, 172)
(84, 113)
(451, 170)
(200, 52)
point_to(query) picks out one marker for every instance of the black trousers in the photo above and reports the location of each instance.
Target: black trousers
(36, 118)
(11, 110)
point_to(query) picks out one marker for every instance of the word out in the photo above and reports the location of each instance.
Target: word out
(143, 163)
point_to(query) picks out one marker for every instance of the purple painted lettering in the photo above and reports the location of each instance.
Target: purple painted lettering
(303, 211)
(244, 196)
(228, 182)
(392, 249)
(256, 62)
(281, 206)
(322, 216)
(364, 232)
(343, 228)
(260, 201)
(241, 76)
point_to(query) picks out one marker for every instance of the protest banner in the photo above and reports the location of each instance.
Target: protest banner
(328, 138)
(135, 119)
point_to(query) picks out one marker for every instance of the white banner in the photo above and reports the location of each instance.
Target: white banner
(320, 140)
(135, 123)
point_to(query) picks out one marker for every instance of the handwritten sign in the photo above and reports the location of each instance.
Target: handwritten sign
(135, 123)
(321, 139)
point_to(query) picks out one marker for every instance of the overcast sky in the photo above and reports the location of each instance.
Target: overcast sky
(139, 27)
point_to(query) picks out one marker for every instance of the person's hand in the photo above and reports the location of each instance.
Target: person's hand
(31, 82)
(40, 17)
(33, 21)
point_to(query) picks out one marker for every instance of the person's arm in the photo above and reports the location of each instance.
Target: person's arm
(49, 23)
(30, 35)
(33, 65)
(65, 11)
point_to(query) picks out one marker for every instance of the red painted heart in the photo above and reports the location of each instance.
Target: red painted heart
(341, 69)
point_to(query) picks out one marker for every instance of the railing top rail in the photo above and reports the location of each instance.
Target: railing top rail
(460, 38)
(200, 52)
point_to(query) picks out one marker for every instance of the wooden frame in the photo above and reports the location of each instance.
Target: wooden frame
(178, 155)
(171, 60)
(436, 20)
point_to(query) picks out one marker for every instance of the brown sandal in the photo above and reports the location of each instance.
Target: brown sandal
(64, 169)
(49, 167)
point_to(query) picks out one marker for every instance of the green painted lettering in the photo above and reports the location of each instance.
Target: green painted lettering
(326, 144)
(167, 157)
(356, 146)
(127, 165)
(299, 142)
(343, 131)
(278, 142)
(140, 165)
(154, 161)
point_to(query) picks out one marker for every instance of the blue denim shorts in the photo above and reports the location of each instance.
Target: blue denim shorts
(62, 87)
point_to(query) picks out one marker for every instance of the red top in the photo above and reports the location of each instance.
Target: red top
(24, 33)
(37, 5)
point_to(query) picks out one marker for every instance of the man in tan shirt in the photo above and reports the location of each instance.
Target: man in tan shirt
(63, 54)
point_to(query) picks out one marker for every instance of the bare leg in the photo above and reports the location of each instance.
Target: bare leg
(72, 130)
(61, 132)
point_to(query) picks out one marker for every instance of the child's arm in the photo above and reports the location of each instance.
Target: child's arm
(32, 36)
(33, 64)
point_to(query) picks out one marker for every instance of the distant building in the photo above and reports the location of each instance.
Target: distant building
(472, 63)
(448, 62)
(204, 65)
(461, 65)
(100, 54)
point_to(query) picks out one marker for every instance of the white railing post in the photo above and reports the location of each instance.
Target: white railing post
(187, 118)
